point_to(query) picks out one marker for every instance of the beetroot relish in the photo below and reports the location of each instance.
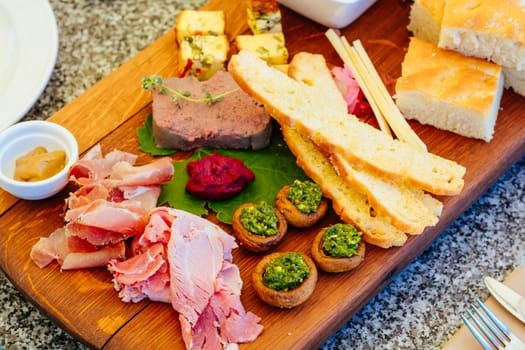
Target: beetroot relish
(217, 177)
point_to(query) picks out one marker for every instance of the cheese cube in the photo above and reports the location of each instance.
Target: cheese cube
(268, 46)
(203, 55)
(264, 16)
(191, 23)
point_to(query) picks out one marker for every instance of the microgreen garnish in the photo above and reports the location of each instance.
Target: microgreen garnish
(154, 82)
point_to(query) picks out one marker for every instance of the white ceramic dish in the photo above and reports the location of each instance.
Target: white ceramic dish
(23, 137)
(28, 51)
(330, 13)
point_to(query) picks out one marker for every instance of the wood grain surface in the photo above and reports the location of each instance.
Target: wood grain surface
(84, 302)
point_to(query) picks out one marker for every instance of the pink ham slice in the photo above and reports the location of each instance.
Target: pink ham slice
(94, 166)
(142, 276)
(101, 222)
(104, 211)
(204, 284)
(125, 174)
(73, 253)
(157, 230)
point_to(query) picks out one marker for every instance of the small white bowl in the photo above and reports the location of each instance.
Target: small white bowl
(23, 137)
(330, 13)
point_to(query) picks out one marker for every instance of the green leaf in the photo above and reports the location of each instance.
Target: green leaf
(147, 142)
(273, 166)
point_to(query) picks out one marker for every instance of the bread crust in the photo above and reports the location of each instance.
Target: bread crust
(283, 299)
(351, 206)
(303, 107)
(294, 216)
(257, 243)
(334, 265)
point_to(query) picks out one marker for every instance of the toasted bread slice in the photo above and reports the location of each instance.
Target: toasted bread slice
(400, 202)
(351, 206)
(303, 107)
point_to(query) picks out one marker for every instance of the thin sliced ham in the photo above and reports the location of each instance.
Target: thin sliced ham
(98, 258)
(101, 222)
(94, 166)
(196, 258)
(236, 325)
(204, 285)
(104, 211)
(176, 257)
(143, 276)
(125, 174)
(157, 230)
(72, 253)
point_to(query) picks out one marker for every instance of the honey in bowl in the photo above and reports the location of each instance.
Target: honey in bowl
(39, 164)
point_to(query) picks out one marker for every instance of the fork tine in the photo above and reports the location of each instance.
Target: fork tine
(482, 327)
(487, 328)
(494, 319)
(476, 334)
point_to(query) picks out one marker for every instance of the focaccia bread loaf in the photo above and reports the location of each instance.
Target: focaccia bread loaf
(492, 29)
(450, 91)
(514, 79)
(301, 106)
(237, 121)
(425, 19)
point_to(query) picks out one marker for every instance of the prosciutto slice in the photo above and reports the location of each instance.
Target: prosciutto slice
(111, 205)
(125, 174)
(143, 276)
(72, 252)
(94, 166)
(103, 222)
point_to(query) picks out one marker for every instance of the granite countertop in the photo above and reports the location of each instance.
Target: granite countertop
(419, 309)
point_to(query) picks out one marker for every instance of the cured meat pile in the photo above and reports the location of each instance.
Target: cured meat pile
(186, 260)
(111, 205)
(174, 257)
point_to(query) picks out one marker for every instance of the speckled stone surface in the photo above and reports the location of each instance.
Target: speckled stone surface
(419, 309)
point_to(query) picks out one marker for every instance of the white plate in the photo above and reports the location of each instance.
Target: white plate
(28, 52)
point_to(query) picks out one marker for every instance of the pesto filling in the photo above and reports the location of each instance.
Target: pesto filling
(305, 195)
(260, 220)
(341, 240)
(286, 272)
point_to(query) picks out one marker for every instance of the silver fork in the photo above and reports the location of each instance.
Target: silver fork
(495, 334)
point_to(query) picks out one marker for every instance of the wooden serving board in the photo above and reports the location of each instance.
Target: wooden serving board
(84, 302)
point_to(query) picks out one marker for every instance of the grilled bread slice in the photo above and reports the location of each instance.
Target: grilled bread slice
(303, 107)
(408, 208)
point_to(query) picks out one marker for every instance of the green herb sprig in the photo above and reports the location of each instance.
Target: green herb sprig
(154, 82)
